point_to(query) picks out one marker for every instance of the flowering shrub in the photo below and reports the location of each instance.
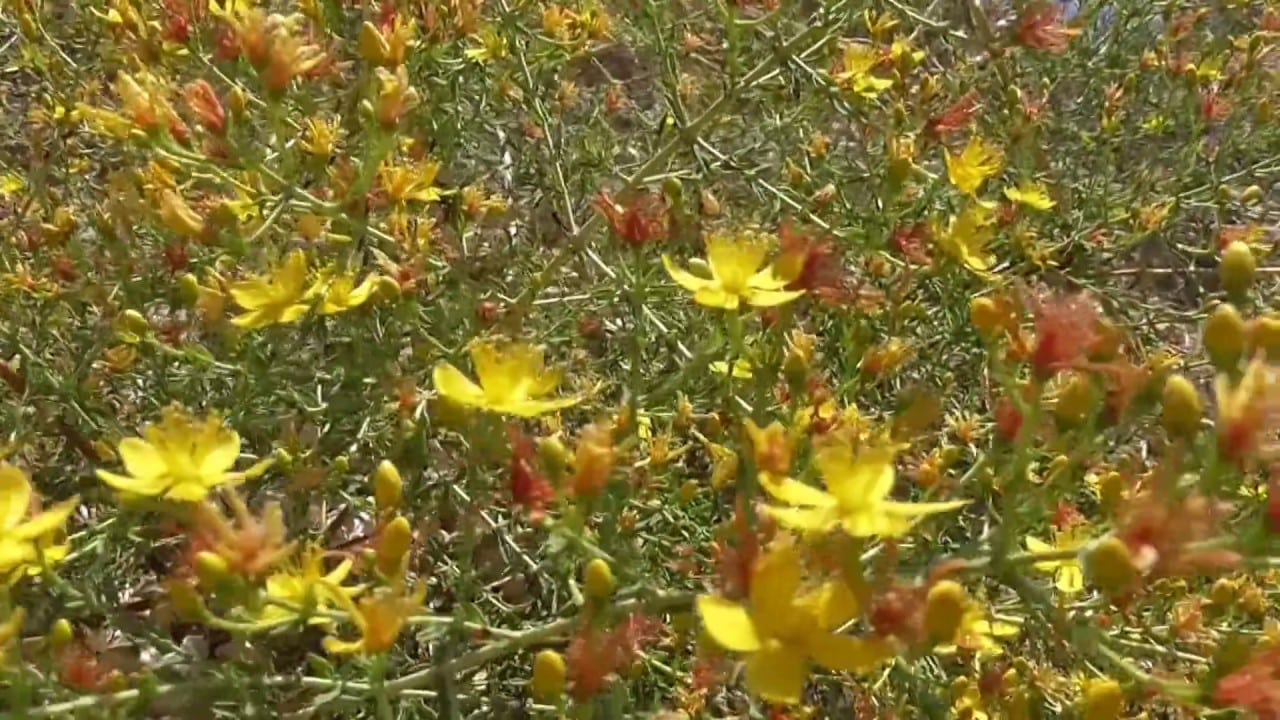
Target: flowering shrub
(590, 358)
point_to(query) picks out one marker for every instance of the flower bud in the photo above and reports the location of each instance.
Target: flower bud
(1224, 337)
(1224, 592)
(1251, 195)
(709, 204)
(688, 491)
(554, 456)
(133, 322)
(1103, 700)
(60, 634)
(211, 569)
(393, 547)
(985, 316)
(549, 675)
(189, 287)
(238, 101)
(944, 611)
(1074, 402)
(597, 580)
(1110, 566)
(1180, 407)
(186, 602)
(387, 487)
(1237, 270)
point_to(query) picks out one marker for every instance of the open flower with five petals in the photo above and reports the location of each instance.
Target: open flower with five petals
(512, 380)
(738, 274)
(783, 628)
(181, 458)
(29, 541)
(856, 499)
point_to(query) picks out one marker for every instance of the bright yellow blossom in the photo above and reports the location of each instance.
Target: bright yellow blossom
(340, 293)
(855, 73)
(857, 496)
(403, 183)
(274, 298)
(1068, 575)
(783, 630)
(736, 276)
(980, 635)
(967, 236)
(380, 618)
(977, 163)
(304, 591)
(513, 380)
(1031, 194)
(181, 458)
(28, 540)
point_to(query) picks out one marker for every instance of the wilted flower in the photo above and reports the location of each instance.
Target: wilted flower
(379, 617)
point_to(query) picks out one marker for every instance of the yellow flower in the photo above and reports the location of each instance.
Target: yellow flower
(380, 618)
(855, 73)
(982, 636)
(857, 497)
(28, 541)
(490, 45)
(320, 137)
(511, 381)
(274, 298)
(181, 459)
(305, 591)
(1068, 575)
(741, 370)
(782, 630)
(341, 293)
(1031, 194)
(736, 275)
(978, 162)
(412, 182)
(967, 237)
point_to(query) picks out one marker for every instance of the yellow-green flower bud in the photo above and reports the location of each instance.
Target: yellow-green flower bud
(985, 316)
(597, 580)
(186, 602)
(944, 610)
(554, 455)
(60, 634)
(549, 675)
(1103, 700)
(133, 322)
(393, 547)
(1264, 336)
(387, 487)
(211, 569)
(1074, 402)
(1224, 337)
(1110, 566)
(1237, 270)
(189, 287)
(1180, 407)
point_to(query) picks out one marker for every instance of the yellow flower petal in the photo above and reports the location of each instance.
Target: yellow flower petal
(130, 484)
(771, 298)
(141, 459)
(728, 623)
(45, 523)
(716, 298)
(452, 384)
(777, 673)
(534, 408)
(794, 492)
(849, 654)
(15, 496)
(684, 278)
(819, 519)
(773, 589)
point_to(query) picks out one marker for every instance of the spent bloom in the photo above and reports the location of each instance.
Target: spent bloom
(782, 629)
(513, 380)
(275, 298)
(29, 541)
(973, 166)
(180, 458)
(857, 496)
(379, 618)
(738, 274)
